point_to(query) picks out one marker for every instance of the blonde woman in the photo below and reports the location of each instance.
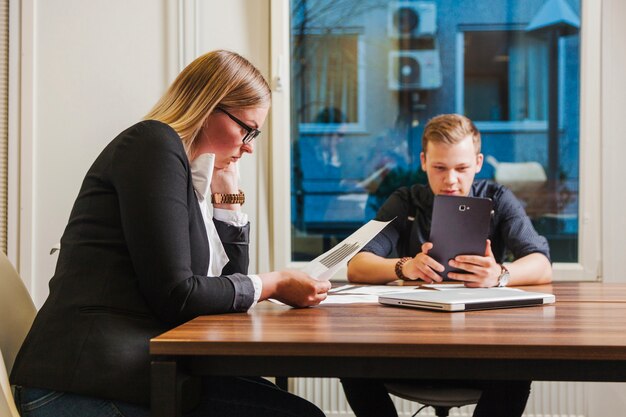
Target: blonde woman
(157, 237)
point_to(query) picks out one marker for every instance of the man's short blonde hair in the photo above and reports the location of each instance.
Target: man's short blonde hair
(450, 129)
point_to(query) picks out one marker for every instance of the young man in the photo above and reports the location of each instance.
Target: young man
(451, 158)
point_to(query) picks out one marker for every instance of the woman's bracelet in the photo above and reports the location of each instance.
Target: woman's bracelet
(218, 198)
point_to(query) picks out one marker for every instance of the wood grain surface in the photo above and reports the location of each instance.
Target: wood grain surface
(588, 322)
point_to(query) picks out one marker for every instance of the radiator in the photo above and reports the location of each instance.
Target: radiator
(547, 399)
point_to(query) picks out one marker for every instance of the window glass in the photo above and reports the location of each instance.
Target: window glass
(328, 71)
(366, 76)
(513, 86)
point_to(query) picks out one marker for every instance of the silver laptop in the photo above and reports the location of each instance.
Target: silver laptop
(465, 299)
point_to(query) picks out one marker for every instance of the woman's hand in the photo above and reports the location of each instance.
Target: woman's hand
(225, 180)
(423, 266)
(483, 271)
(294, 288)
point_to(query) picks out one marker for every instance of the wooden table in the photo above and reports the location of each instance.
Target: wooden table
(580, 338)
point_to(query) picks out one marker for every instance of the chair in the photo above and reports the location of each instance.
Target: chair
(441, 397)
(17, 313)
(525, 177)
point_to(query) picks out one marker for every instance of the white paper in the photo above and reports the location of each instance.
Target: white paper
(324, 266)
(342, 299)
(350, 299)
(352, 294)
(370, 290)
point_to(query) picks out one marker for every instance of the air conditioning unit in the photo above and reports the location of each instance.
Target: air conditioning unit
(414, 70)
(411, 19)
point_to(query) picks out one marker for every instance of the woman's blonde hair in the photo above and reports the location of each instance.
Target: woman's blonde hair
(450, 129)
(218, 78)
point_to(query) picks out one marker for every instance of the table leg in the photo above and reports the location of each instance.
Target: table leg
(164, 392)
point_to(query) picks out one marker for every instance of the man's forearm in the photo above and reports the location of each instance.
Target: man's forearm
(530, 270)
(367, 268)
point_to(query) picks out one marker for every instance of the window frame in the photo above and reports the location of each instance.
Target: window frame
(588, 267)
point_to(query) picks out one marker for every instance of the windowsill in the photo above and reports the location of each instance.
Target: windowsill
(346, 128)
(523, 126)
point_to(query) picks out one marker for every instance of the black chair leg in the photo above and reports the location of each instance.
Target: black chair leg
(442, 411)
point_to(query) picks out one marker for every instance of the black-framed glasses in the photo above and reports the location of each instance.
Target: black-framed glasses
(251, 133)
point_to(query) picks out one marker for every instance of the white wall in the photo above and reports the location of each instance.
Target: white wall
(607, 399)
(90, 69)
(613, 139)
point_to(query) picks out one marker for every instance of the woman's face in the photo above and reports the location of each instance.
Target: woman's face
(223, 137)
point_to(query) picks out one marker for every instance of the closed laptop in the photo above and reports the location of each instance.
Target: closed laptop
(465, 299)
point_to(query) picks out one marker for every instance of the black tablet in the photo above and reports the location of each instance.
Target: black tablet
(460, 226)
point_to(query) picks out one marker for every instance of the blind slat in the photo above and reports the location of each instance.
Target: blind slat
(4, 109)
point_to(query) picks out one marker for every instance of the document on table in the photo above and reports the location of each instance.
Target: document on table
(352, 294)
(369, 290)
(324, 266)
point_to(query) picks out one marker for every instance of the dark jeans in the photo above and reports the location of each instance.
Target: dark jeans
(369, 397)
(221, 397)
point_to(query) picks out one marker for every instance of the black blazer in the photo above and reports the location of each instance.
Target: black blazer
(133, 263)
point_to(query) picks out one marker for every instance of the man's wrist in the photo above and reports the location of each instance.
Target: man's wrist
(399, 266)
(503, 278)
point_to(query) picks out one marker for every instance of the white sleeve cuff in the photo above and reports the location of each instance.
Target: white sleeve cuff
(232, 217)
(258, 287)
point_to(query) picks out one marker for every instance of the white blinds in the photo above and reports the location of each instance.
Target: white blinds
(4, 128)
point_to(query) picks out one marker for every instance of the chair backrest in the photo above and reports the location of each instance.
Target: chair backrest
(17, 313)
(518, 175)
(7, 405)
(441, 396)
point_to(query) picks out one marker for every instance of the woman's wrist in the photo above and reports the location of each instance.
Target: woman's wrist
(270, 284)
(228, 198)
(224, 182)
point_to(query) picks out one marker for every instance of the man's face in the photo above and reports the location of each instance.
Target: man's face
(451, 168)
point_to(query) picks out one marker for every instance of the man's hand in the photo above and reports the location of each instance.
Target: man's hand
(423, 266)
(483, 271)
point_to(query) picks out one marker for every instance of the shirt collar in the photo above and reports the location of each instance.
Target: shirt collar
(202, 173)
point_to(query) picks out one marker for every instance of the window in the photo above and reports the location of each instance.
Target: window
(482, 62)
(505, 76)
(326, 78)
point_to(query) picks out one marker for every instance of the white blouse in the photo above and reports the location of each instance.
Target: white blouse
(201, 175)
